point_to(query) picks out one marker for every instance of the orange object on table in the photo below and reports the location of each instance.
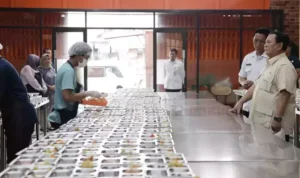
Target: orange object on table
(95, 101)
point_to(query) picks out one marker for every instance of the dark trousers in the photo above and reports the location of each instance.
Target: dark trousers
(169, 90)
(245, 113)
(18, 138)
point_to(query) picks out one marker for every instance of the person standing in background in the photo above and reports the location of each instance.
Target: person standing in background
(18, 114)
(47, 51)
(252, 66)
(173, 73)
(273, 93)
(292, 52)
(31, 77)
(48, 74)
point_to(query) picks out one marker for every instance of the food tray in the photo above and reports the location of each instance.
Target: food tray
(141, 165)
(131, 137)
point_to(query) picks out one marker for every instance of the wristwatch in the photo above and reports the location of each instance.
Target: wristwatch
(278, 119)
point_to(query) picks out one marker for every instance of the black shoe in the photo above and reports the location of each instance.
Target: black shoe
(51, 129)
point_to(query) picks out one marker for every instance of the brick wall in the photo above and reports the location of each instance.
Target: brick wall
(291, 16)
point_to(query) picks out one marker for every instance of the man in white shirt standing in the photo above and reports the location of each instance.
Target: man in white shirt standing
(253, 65)
(173, 73)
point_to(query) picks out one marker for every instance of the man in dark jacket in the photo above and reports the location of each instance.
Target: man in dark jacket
(18, 114)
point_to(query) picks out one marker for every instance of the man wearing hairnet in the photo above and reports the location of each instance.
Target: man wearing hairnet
(67, 90)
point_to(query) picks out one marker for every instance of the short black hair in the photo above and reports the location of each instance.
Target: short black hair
(263, 31)
(173, 50)
(294, 49)
(46, 49)
(282, 38)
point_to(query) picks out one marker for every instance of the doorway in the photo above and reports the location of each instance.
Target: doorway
(164, 40)
(63, 39)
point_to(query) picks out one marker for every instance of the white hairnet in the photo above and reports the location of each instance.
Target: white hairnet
(1, 47)
(80, 48)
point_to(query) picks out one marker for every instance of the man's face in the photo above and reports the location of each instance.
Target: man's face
(49, 52)
(271, 47)
(259, 42)
(173, 55)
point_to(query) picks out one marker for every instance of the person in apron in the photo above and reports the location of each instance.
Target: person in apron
(18, 114)
(68, 93)
(31, 77)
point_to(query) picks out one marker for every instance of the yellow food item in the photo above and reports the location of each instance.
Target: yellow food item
(35, 168)
(88, 163)
(77, 129)
(175, 163)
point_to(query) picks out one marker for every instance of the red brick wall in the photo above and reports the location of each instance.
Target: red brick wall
(291, 16)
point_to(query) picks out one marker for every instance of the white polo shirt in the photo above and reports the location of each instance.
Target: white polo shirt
(174, 74)
(252, 67)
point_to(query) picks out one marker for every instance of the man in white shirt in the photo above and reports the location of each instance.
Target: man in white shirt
(173, 73)
(253, 65)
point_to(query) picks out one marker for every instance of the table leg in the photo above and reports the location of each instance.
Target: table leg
(37, 130)
(296, 131)
(3, 149)
(45, 119)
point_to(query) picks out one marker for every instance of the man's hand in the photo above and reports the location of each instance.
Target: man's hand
(248, 84)
(275, 126)
(52, 88)
(237, 108)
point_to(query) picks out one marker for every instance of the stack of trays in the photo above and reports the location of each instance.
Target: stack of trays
(131, 137)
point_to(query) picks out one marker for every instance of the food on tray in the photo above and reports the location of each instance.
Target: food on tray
(77, 129)
(152, 135)
(59, 142)
(55, 150)
(175, 163)
(88, 162)
(132, 171)
(35, 168)
(52, 156)
(95, 101)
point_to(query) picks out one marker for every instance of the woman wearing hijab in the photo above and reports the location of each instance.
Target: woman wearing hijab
(31, 77)
(48, 75)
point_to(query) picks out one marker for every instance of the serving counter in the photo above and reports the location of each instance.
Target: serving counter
(217, 143)
(209, 140)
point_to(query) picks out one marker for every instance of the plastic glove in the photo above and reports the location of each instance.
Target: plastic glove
(94, 94)
(104, 95)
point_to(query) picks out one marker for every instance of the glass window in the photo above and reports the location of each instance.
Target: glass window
(16, 18)
(219, 57)
(18, 43)
(114, 71)
(257, 20)
(219, 20)
(63, 19)
(96, 72)
(120, 19)
(168, 20)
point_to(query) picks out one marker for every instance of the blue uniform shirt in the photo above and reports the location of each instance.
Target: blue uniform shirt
(65, 80)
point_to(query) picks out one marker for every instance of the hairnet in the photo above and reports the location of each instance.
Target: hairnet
(33, 61)
(1, 47)
(79, 49)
